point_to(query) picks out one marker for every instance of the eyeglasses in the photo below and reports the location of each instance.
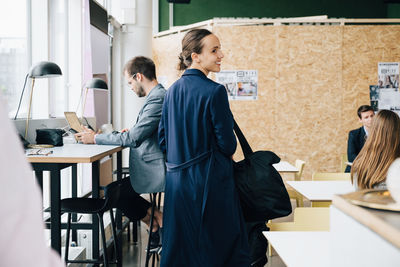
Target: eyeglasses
(133, 78)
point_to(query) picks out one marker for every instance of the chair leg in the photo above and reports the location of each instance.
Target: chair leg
(159, 200)
(129, 231)
(135, 231)
(103, 238)
(153, 262)
(114, 233)
(153, 205)
(67, 238)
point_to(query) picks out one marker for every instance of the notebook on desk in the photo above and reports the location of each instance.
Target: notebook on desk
(73, 121)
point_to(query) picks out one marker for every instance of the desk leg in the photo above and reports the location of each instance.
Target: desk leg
(74, 192)
(119, 213)
(39, 179)
(95, 220)
(55, 210)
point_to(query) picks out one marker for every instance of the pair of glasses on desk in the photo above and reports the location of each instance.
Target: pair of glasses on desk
(40, 152)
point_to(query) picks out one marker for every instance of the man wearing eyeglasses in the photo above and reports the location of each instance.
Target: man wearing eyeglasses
(146, 161)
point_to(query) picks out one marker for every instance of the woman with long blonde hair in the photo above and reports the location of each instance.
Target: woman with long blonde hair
(382, 147)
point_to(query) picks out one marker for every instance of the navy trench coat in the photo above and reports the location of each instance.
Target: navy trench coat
(203, 223)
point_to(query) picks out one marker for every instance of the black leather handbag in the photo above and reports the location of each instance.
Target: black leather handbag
(263, 195)
(50, 136)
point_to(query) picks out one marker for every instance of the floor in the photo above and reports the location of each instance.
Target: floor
(134, 254)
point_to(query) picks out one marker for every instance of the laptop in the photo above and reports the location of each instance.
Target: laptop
(73, 121)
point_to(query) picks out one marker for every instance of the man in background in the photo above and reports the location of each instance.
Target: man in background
(146, 160)
(358, 136)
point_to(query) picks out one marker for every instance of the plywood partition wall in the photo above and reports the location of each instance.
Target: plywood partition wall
(311, 81)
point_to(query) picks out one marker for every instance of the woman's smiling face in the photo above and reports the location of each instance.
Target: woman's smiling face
(210, 57)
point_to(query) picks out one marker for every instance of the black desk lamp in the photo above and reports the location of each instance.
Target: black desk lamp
(95, 83)
(43, 69)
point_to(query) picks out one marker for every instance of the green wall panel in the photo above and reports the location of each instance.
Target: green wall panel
(199, 10)
(393, 11)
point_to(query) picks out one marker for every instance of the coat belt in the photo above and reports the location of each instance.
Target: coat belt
(172, 167)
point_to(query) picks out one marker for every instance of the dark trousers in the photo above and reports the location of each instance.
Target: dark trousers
(131, 204)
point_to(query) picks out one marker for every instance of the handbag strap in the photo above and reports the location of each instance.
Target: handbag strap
(247, 151)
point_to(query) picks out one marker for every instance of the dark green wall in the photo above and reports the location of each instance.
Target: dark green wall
(393, 11)
(199, 10)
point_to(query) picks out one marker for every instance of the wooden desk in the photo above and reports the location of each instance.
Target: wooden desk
(65, 156)
(285, 167)
(301, 249)
(321, 191)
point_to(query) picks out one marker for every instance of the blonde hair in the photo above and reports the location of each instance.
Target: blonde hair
(380, 150)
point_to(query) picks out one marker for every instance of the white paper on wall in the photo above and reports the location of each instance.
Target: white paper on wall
(239, 84)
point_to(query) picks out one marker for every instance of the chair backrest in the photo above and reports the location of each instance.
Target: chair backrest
(111, 193)
(331, 176)
(300, 166)
(305, 219)
(343, 161)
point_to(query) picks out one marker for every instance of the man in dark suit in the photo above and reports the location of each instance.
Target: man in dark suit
(358, 136)
(146, 160)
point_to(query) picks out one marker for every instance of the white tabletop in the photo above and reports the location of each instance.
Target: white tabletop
(72, 153)
(321, 190)
(301, 249)
(284, 166)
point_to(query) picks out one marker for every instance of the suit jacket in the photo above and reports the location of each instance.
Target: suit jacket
(354, 144)
(146, 160)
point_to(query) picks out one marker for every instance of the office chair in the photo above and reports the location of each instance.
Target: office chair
(331, 176)
(305, 219)
(297, 177)
(343, 161)
(99, 207)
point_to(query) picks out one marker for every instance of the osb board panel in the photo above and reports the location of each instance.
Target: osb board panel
(165, 55)
(307, 87)
(311, 81)
(363, 48)
(252, 48)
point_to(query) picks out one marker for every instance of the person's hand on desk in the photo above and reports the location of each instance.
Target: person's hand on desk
(87, 136)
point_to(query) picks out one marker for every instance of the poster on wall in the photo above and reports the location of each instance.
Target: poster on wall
(388, 75)
(386, 94)
(374, 96)
(239, 84)
(389, 99)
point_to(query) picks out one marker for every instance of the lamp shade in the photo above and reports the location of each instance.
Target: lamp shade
(44, 69)
(97, 83)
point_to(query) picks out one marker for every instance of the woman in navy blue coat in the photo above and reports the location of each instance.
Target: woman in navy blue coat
(203, 223)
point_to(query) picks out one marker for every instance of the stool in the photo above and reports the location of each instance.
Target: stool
(99, 207)
(125, 173)
(152, 254)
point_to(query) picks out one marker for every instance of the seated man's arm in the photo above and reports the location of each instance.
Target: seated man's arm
(351, 147)
(161, 128)
(143, 129)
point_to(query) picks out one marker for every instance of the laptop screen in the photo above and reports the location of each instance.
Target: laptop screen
(73, 121)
